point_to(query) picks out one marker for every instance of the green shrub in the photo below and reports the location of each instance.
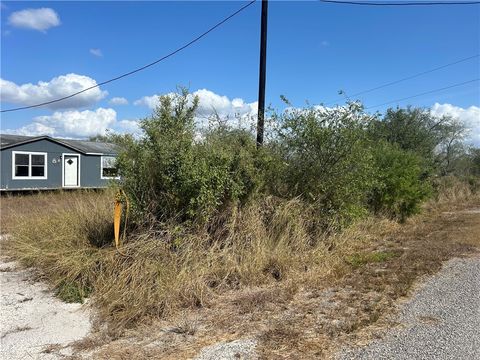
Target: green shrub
(244, 175)
(399, 188)
(325, 160)
(173, 172)
(330, 158)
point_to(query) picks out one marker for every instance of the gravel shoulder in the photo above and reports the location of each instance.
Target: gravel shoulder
(440, 321)
(33, 323)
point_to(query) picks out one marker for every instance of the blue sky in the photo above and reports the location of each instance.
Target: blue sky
(314, 50)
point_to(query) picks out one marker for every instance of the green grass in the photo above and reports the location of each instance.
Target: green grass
(359, 259)
(72, 292)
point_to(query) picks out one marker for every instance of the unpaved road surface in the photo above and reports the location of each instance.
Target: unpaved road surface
(441, 320)
(33, 323)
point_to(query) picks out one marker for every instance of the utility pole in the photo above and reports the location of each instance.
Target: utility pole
(262, 76)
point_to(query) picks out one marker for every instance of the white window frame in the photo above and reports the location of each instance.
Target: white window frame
(30, 177)
(101, 168)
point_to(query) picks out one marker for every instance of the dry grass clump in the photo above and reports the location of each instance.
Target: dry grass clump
(450, 190)
(314, 311)
(158, 272)
(263, 243)
(54, 232)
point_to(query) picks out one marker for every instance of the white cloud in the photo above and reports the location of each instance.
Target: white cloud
(128, 126)
(73, 124)
(64, 85)
(77, 124)
(118, 101)
(469, 116)
(211, 103)
(150, 101)
(96, 52)
(36, 19)
(33, 129)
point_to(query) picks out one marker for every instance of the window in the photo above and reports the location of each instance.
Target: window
(29, 165)
(109, 167)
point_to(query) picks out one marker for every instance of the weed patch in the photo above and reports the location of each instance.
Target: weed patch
(72, 292)
(357, 260)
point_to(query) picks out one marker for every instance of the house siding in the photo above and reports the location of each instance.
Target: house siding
(89, 167)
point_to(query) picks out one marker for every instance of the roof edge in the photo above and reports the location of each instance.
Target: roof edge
(43, 137)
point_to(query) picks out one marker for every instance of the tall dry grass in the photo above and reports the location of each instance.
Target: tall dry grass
(452, 192)
(451, 189)
(68, 237)
(57, 233)
(263, 243)
(157, 273)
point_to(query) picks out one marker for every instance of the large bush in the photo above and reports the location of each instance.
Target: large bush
(399, 188)
(411, 129)
(325, 160)
(175, 172)
(438, 141)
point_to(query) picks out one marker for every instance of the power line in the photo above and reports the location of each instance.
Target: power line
(401, 3)
(140, 68)
(424, 93)
(407, 78)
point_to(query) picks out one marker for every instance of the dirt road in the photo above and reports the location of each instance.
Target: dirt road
(441, 320)
(33, 323)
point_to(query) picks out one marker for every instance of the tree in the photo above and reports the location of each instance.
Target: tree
(452, 147)
(99, 138)
(437, 140)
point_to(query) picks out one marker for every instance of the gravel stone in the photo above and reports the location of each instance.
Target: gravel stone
(441, 321)
(243, 349)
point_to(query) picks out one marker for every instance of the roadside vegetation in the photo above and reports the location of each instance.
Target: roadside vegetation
(211, 214)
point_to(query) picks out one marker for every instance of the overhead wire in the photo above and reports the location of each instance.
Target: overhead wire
(191, 42)
(424, 93)
(394, 82)
(400, 3)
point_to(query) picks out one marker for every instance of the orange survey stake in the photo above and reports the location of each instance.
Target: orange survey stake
(117, 216)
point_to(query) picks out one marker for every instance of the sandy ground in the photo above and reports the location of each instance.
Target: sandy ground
(33, 323)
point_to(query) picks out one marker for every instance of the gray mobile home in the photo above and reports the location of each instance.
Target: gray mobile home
(43, 162)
